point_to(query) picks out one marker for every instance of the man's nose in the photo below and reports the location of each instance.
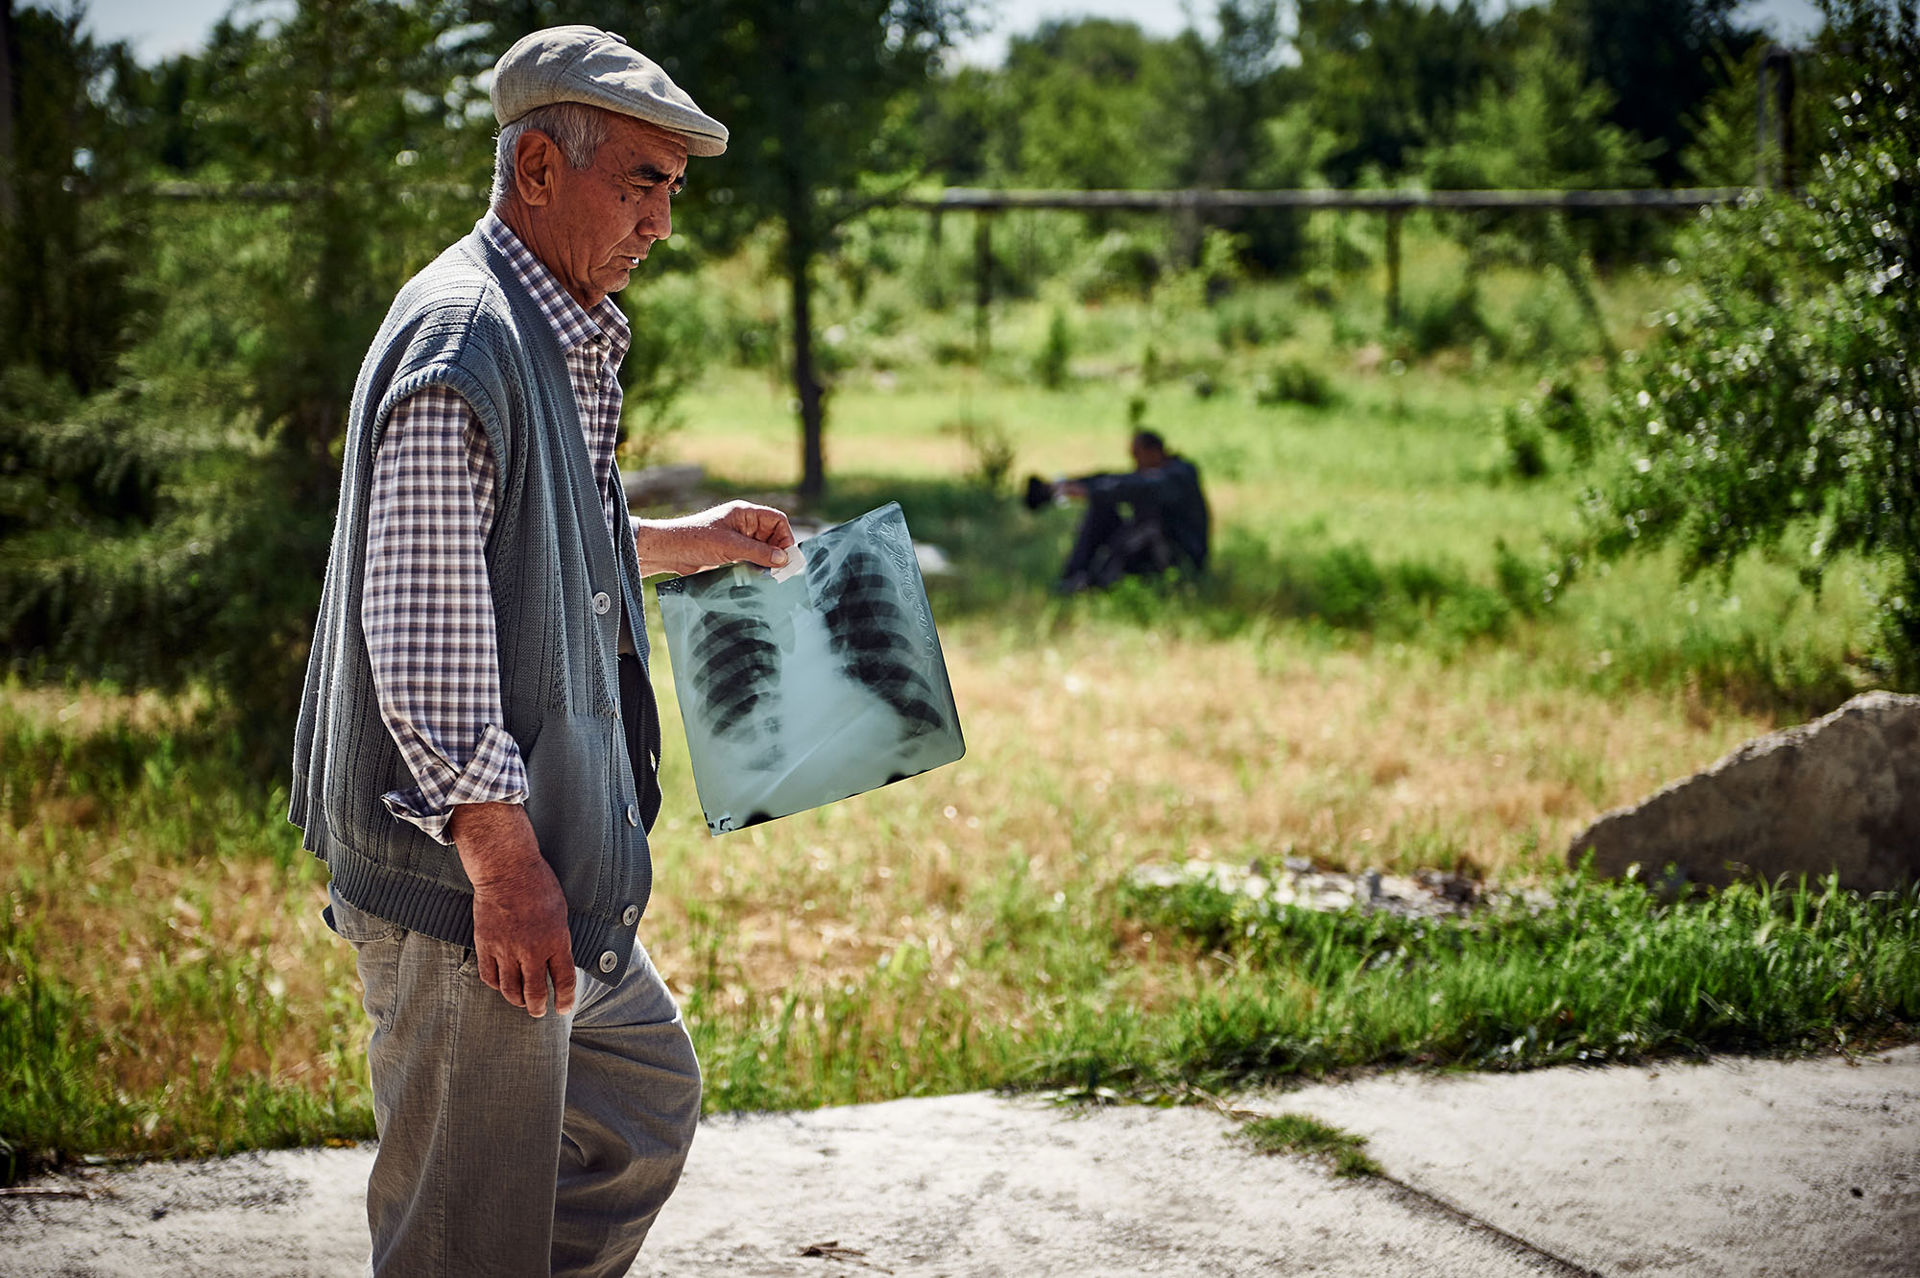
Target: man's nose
(657, 221)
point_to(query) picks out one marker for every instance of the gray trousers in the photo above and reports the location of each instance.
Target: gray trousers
(512, 1146)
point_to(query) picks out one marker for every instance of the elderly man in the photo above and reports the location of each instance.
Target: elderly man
(477, 752)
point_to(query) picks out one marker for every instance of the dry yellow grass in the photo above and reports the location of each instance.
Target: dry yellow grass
(1089, 751)
(1093, 752)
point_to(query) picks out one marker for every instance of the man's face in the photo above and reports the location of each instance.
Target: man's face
(1146, 457)
(606, 217)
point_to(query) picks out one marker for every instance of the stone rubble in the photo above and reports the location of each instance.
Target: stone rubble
(1294, 882)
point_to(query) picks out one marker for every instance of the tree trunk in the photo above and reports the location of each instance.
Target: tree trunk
(806, 387)
(8, 78)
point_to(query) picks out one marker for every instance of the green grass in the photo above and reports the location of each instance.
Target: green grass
(1311, 1138)
(1606, 974)
(1370, 676)
(1233, 995)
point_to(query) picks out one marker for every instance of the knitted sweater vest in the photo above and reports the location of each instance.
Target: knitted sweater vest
(559, 586)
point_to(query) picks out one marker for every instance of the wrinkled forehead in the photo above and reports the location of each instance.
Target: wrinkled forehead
(634, 145)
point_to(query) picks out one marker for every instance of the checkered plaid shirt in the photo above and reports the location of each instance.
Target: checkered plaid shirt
(427, 608)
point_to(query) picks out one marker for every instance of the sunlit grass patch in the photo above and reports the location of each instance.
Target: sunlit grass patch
(1365, 679)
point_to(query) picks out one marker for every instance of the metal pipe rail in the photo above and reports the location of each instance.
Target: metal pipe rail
(961, 199)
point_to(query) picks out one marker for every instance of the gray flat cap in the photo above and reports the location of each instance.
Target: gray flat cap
(586, 64)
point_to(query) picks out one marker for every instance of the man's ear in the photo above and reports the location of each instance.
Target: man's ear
(536, 158)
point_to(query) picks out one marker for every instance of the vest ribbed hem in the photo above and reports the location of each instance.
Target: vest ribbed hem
(446, 914)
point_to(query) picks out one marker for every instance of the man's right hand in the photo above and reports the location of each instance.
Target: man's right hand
(519, 913)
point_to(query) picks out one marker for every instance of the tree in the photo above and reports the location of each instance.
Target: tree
(805, 88)
(173, 516)
(1777, 407)
(1539, 123)
(1387, 77)
(1661, 58)
(68, 230)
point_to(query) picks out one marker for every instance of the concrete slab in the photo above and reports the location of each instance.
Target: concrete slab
(959, 1185)
(975, 1185)
(1747, 1169)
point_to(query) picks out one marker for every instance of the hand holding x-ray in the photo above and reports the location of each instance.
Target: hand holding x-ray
(813, 683)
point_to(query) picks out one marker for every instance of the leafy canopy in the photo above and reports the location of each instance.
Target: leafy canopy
(1777, 406)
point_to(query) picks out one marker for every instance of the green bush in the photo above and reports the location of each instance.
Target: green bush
(1776, 407)
(1118, 264)
(1050, 366)
(1295, 382)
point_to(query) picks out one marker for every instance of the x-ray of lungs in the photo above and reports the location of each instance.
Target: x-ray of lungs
(800, 688)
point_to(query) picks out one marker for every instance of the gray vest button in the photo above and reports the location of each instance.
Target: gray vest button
(602, 603)
(633, 814)
(630, 915)
(609, 961)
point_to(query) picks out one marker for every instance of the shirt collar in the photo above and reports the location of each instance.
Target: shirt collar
(572, 323)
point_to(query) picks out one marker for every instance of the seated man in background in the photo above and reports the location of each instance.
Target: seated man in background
(1145, 522)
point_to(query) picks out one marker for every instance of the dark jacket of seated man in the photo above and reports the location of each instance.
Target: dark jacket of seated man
(1167, 526)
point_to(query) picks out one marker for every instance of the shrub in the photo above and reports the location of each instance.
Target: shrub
(1776, 408)
(1295, 382)
(1050, 366)
(1118, 264)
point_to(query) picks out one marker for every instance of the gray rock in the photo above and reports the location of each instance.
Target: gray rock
(1839, 795)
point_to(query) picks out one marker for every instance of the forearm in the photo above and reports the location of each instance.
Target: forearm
(496, 844)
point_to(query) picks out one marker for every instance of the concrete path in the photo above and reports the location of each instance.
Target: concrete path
(1747, 1168)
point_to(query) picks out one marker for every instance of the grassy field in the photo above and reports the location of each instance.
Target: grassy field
(1366, 680)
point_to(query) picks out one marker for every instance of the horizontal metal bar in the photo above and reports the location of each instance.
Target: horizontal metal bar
(986, 200)
(291, 192)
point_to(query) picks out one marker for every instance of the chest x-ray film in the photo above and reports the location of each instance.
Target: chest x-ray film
(810, 683)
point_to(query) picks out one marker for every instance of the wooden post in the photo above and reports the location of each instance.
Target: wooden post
(982, 283)
(1393, 267)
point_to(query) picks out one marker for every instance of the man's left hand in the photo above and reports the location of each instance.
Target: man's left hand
(737, 532)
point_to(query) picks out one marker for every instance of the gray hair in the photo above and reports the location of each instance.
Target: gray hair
(576, 128)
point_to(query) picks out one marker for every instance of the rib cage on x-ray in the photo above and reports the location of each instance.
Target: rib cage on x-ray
(801, 691)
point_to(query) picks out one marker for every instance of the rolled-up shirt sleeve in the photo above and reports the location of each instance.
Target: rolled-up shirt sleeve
(427, 612)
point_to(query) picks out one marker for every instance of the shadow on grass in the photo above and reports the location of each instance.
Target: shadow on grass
(1006, 558)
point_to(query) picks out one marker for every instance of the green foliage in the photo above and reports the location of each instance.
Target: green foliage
(173, 526)
(1295, 381)
(990, 448)
(1660, 58)
(1604, 973)
(1526, 446)
(1721, 146)
(1539, 123)
(1776, 407)
(812, 83)
(53, 1098)
(1117, 264)
(1050, 366)
(1087, 103)
(71, 231)
(670, 344)
(1386, 77)
(57, 1102)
